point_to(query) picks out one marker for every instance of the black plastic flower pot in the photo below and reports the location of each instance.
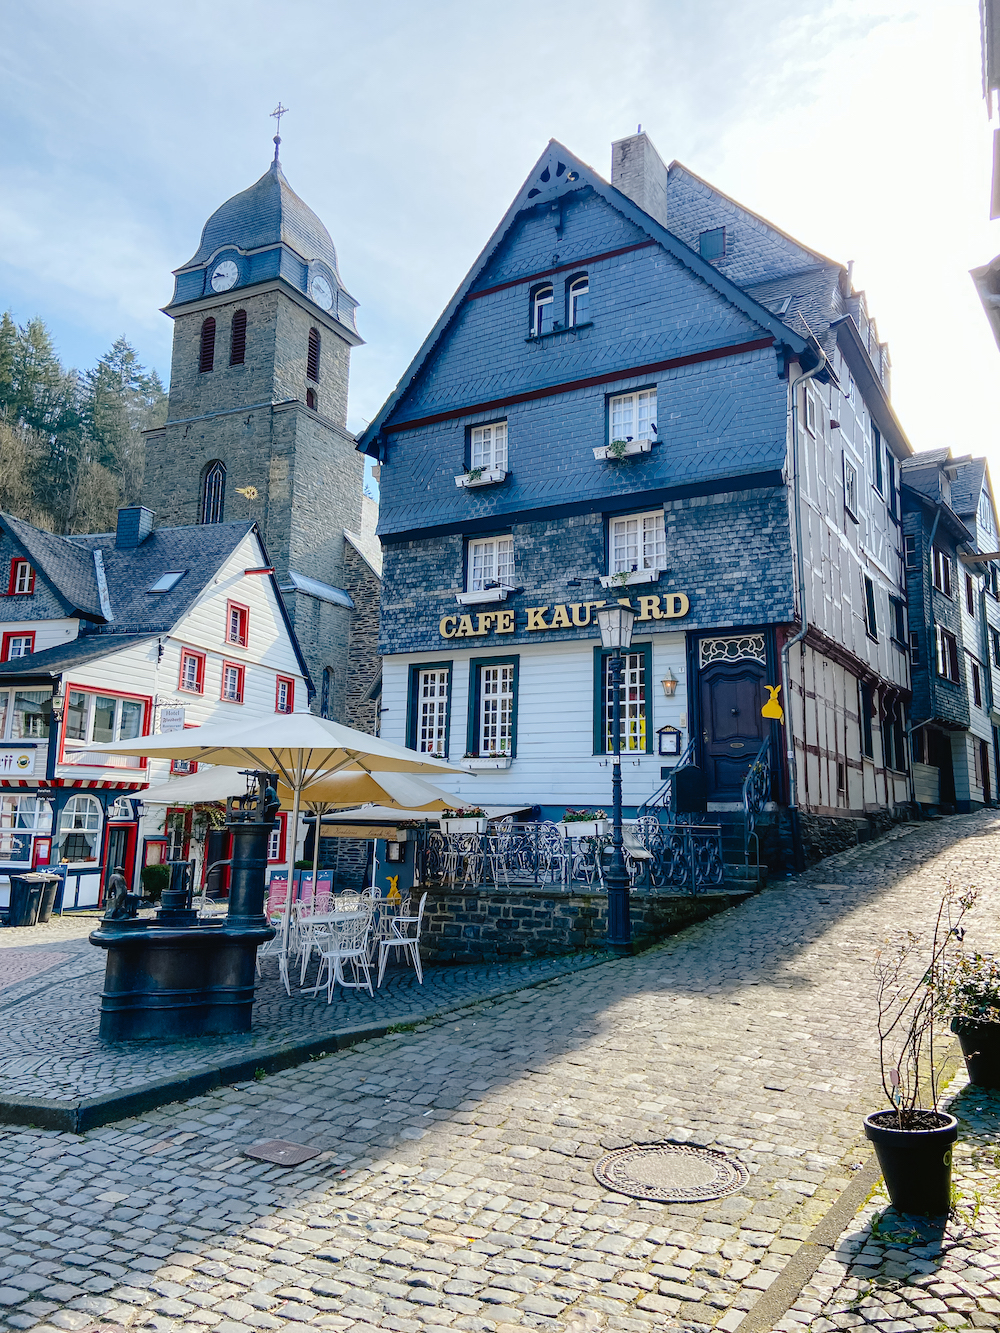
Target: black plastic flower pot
(916, 1163)
(981, 1047)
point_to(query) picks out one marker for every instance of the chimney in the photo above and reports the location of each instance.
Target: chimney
(134, 526)
(638, 171)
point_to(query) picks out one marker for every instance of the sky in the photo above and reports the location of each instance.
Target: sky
(860, 128)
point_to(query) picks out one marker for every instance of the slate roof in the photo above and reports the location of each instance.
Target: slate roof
(63, 564)
(967, 485)
(52, 661)
(816, 301)
(268, 213)
(199, 550)
(558, 172)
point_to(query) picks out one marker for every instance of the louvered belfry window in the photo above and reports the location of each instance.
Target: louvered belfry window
(312, 361)
(238, 339)
(206, 360)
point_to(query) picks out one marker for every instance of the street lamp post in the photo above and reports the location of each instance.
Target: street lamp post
(616, 634)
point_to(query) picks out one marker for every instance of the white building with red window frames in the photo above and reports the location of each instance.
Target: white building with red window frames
(117, 635)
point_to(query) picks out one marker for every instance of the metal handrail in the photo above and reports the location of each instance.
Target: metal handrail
(756, 794)
(661, 798)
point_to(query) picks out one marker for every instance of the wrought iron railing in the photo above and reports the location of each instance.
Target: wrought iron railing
(757, 787)
(677, 857)
(661, 798)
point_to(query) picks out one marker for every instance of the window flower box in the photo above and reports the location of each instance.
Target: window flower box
(497, 594)
(487, 761)
(633, 577)
(619, 449)
(486, 476)
(463, 825)
(584, 828)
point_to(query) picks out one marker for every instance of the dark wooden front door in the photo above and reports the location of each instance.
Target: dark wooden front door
(732, 695)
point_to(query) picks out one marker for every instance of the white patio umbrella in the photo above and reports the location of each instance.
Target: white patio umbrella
(300, 748)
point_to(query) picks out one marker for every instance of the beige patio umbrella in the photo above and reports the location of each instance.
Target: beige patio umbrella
(300, 748)
(334, 791)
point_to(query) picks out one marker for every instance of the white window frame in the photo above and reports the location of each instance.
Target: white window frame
(633, 693)
(240, 673)
(850, 488)
(540, 302)
(490, 561)
(92, 695)
(941, 571)
(488, 446)
(23, 578)
(19, 645)
(638, 541)
(197, 685)
(579, 286)
(81, 814)
(497, 696)
(631, 414)
(432, 704)
(810, 411)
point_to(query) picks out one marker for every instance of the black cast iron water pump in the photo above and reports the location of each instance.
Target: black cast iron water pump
(179, 975)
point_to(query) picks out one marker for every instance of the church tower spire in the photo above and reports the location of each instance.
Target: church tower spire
(257, 410)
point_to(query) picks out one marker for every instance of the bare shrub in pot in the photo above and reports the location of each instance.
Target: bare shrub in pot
(913, 1139)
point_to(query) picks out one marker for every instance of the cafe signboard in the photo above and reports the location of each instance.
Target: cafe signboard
(568, 615)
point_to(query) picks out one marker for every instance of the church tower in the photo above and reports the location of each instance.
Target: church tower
(256, 422)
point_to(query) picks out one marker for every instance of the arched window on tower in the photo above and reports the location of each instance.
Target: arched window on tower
(312, 360)
(326, 701)
(213, 494)
(238, 339)
(311, 398)
(206, 359)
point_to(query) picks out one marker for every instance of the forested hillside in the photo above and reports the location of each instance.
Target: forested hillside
(71, 446)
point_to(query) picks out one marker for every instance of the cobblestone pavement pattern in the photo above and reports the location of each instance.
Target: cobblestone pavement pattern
(50, 1008)
(455, 1187)
(898, 1274)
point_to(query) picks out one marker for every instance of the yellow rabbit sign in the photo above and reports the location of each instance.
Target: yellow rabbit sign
(773, 708)
(394, 894)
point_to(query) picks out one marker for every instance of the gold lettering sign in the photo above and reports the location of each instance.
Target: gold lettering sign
(572, 615)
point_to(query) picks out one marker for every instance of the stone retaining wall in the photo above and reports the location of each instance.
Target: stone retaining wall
(475, 924)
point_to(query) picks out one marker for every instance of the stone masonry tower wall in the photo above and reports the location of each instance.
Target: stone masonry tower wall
(270, 405)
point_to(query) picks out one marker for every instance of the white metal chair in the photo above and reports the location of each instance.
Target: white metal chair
(346, 945)
(400, 937)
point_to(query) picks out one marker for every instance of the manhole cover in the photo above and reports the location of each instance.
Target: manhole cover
(671, 1173)
(281, 1152)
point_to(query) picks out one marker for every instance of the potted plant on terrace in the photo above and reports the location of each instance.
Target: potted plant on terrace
(969, 990)
(584, 824)
(913, 1141)
(464, 819)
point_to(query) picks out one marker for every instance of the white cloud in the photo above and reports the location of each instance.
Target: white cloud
(857, 126)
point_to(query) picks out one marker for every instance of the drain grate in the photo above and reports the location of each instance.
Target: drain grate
(671, 1173)
(281, 1153)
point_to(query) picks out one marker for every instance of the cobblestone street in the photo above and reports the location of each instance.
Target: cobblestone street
(455, 1187)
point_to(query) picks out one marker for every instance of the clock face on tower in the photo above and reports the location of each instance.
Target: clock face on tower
(321, 293)
(226, 275)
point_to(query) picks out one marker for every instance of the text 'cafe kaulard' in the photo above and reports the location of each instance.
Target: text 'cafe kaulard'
(569, 615)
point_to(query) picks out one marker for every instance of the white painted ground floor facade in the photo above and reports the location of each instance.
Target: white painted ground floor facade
(537, 709)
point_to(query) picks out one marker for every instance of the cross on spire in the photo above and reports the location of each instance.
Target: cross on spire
(277, 113)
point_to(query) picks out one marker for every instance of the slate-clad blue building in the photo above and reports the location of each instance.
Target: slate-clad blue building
(604, 410)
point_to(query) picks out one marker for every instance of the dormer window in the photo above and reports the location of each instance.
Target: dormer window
(578, 300)
(542, 309)
(22, 579)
